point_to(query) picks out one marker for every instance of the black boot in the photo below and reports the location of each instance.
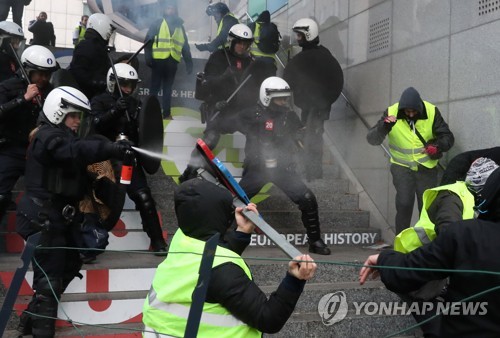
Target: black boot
(150, 221)
(319, 247)
(310, 218)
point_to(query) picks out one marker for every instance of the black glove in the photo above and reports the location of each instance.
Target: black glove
(121, 104)
(201, 47)
(221, 105)
(388, 124)
(118, 149)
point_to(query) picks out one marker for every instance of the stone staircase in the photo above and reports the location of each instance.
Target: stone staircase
(107, 302)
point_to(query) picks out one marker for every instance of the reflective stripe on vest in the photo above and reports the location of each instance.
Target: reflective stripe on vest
(219, 29)
(404, 145)
(166, 45)
(254, 49)
(166, 308)
(423, 232)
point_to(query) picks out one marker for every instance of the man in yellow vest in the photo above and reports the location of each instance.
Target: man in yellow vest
(79, 31)
(464, 246)
(264, 47)
(234, 305)
(418, 136)
(442, 206)
(225, 20)
(168, 44)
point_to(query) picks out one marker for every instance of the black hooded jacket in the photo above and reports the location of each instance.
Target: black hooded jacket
(410, 98)
(465, 245)
(202, 209)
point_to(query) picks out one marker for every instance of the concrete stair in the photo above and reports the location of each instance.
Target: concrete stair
(107, 302)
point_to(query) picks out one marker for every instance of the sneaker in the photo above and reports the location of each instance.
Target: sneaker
(319, 247)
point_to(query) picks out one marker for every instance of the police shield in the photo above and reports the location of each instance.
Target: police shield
(150, 133)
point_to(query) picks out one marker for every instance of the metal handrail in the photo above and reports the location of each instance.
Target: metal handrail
(362, 119)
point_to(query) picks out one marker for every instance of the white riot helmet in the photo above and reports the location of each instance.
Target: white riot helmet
(239, 32)
(308, 27)
(102, 24)
(64, 100)
(479, 172)
(39, 58)
(273, 87)
(126, 74)
(11, 29)
(10, 33)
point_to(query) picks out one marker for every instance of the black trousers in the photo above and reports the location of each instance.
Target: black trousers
(162, 78)
(17, 10)
(12, 164)
(408, 184)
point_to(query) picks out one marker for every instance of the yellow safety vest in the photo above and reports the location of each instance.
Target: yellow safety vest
(404, 145)
(167, 305)
(423, 232)
(166, 45)
(219, 29)
(81, 33)
(255, 48)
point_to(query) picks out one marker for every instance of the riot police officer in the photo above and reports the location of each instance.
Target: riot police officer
(19, 111)
(226, 69)
(110, 120)
(272, 131)
(55, 183)
(10, 34)
(90, 61)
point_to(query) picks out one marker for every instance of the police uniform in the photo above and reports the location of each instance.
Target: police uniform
(271, 136)
(55, 182)
(17, 118)
(90, 64)
(111, 123)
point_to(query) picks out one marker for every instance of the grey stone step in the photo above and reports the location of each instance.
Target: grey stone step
(310, 325)
(112, 330)
(269, 264)
(341, 219)
(280, 202)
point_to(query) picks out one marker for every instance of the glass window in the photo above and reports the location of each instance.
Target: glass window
(274, 5)
(255, 7)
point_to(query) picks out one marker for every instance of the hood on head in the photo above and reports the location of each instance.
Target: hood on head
(203, 209)
(264, 17)
(410, 99)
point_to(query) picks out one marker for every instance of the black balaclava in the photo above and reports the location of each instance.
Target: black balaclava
(410, 99)
(203, 209)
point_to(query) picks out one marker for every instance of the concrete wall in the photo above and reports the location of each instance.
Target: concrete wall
(448, 50)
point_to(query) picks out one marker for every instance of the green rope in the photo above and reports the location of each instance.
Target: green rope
(357, 265)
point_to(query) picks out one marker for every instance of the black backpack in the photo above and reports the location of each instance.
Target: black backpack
(270, 38)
